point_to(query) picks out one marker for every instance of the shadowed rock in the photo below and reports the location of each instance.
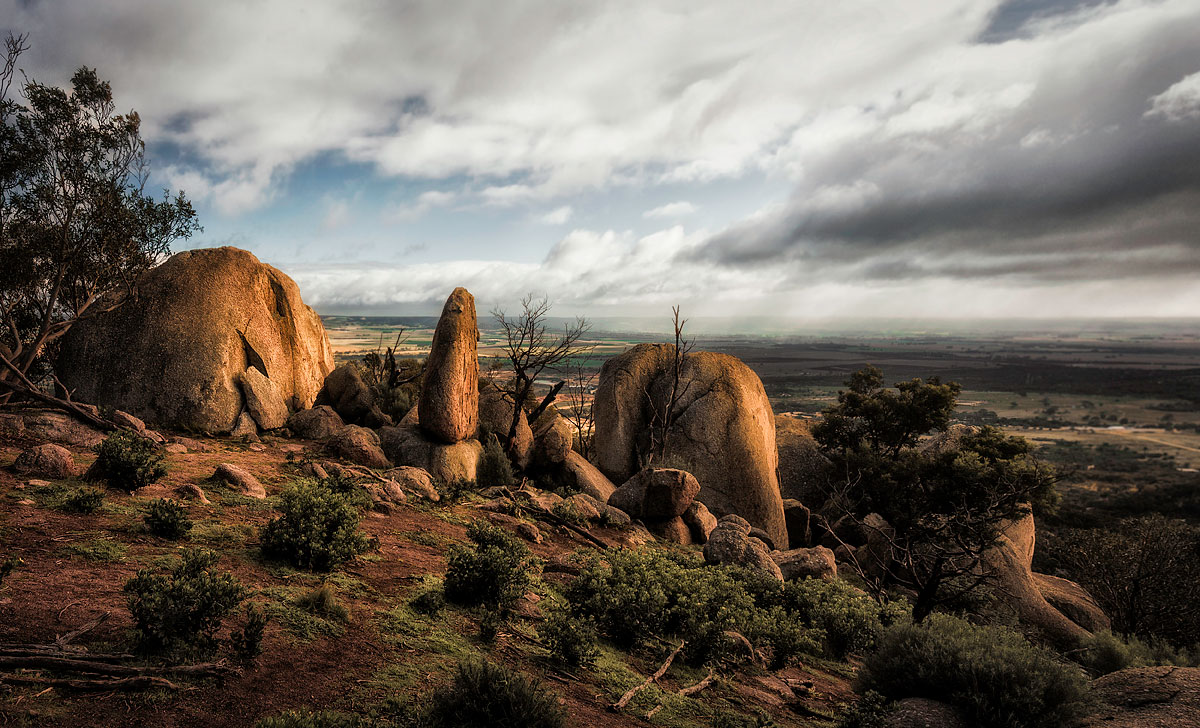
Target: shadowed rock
(351, 398)
(319, 423)
(172, 356)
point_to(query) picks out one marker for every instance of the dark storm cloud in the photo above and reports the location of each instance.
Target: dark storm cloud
(1013, 19)
(1081, 179)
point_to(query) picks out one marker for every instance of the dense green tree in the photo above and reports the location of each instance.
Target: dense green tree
(944, 505)
(76, 225)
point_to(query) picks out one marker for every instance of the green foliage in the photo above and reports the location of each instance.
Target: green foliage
(571, 639)
(495, 572)
(1144, 573)
(1105, 652)
(317, 528)
(128, 461)
(871, 710)
(323, 602)
(850, 620)
(247, 642)
(494, 468)
(726, 719)
(993, 675)
(180, 612)
(82, 500)
(429, 600)
(167, 519)
(569, 513)
(309, 719)
(487, 695)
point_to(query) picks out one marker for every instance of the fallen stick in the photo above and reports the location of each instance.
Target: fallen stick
(71, 664)
(692, 690)
(139, 682)
(658, 674)
(75, 634)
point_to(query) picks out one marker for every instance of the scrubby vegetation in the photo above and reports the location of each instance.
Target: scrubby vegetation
(494, 467)
(82, 500)
(179, 612)
(128, 461)
(495, 572)
(167, 519)
(487, 695)
(317, 528)
(996, 677)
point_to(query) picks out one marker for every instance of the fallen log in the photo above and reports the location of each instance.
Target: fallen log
(662, 670)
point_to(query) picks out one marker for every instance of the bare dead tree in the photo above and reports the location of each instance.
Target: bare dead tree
(663, 415)
(581, 413)
(532, 349)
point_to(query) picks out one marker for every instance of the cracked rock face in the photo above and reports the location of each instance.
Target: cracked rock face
(1147, 696)
(723, 432)
(173, 356)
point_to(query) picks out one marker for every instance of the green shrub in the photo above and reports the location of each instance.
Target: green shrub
(871, 710)
(429, 601)
(494, 467)
(486, 695)
(494, 573)
(323, 602)
(83, 500)
(167, 519)
(851, 621)
(571, 640)
(247, 642)
(1105, 652)
(309, 719)
(569, 513)
(128, 461)
(996, 677)
(453, 491)
(317, 528)
(726, 719)
(179, 612)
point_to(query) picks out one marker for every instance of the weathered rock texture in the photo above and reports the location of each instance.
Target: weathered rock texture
(1073, 601)
(802, 467)
(406, 444)
(730, 543)
(800, 564)
(450, 391)
(1145, 697)
(50, 460)
(240, 480)
(264, 402)
(358, 445)
(319, 423)
(724, 432)
(345, 391)
(173, 355)
(495, 416)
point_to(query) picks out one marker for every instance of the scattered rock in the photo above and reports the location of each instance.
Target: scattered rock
(495, 416)
(26, 502)
(586, 506)
(191, 491)
(358, 445)
(449, 399)
(51, 460)
(350, 398)
(724, 434)
(414, 480)
(240, 480)
(59, 427)
(172, 355)
(405, 445)
(656, 494)
(582, 476)
(529, 532)
(924, 713)
(314, 470)
(385, 496)
(730, 543)
(190, 443)
(699, 521)
(35, 483)
(799, 564)
(128, 421)
(264, 401)
(540, 500)
(176, 449)
(634, 536)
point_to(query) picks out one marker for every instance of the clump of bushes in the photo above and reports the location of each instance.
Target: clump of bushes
(247, 642)
(167, 519)
(83, 500)
(309, 719)
(571, 639)
(128, 461)
(486, 695)
(1105, 652)
(495, 572)
(317, 528)
(323, 602)
(493, 467)
(996, 677)
(179, 612)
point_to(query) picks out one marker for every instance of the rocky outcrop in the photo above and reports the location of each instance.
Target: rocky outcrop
(495, 417)
(56, 427)
(345, 391)
(52, 461)
(319, 423)
(552, 439)
(1139, 697)
(796, 517)
(173, 355)
(578, 474)
(405, 444)
(723, 434)
(358, 445)
(803, 470)
(699, 521)
(263, 400)
(800, 564)
(1073, 601)
(414, 481)
(656, 494)
(449, 399)
(730, 543)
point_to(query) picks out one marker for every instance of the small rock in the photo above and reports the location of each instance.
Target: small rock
(585, 505)
(730, 543)
(240, 480)
(256, 447)
(191, 444)
(53, 460)
(415, 480)
(128, 421)
(35, 483)
(192, 491)
(616, 516)
(25, 502)
(796, 517)
(314, 470)
(634, 536)
(799, 564)
(699, 521)
(176, 449)
(543, 500)
(529, 532)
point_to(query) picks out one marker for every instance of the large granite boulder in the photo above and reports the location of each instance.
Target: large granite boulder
(173, 355)
(800, 564)
(1147, 697)
(450, 391)
(495, 416)
(1073, 601)
(731, 544)
(723, 434)
(345, 391)
(359, 445)
(656, 494)
(803, 470)
(406, 444)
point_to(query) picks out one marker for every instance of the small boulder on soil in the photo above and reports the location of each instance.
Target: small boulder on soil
(415, 481)
(191, 491)
(802, 563)
(240, 480)
(54, 461)
(358, 445)
(656, 494)
(319, 423)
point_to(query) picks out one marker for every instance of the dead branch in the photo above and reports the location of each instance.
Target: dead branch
(97, 667)
(140, 682)
(684, 692)
(75, 634)
(546, 401)
(662, 670)
(28, 388)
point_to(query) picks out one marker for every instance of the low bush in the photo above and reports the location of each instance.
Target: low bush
(247, 642)
(128, 461)
(429, 600)
(996, 677)
(494, 467)
(572, 640)
(83, 500)
(179, 612)
(317, 528)
(167, 519)
(323, 602)
(850, 620)
(569, 514)
(495, 572)
(486, 695)
(871, 710)
(1105, 652)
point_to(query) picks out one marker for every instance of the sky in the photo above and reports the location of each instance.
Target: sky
(948, 158)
